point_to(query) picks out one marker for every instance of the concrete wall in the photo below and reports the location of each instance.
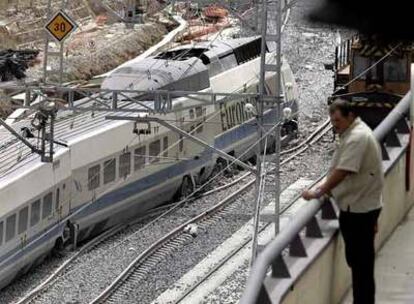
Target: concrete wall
(327, 279)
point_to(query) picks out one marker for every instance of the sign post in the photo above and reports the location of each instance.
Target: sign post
(58, 28)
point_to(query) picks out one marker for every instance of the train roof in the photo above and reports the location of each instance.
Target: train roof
(152, 74)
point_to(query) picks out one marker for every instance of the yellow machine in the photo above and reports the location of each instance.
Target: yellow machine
(372, 75)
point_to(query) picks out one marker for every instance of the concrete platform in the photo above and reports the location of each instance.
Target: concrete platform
(395, 266)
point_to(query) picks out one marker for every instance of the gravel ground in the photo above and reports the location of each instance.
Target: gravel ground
(306, 47)
(93, 271)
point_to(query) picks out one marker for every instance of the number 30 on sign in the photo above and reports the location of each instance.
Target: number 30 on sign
(60, 26)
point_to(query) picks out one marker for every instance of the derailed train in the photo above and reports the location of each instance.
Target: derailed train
(111, 171)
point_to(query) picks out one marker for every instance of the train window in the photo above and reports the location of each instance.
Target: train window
(23, 219)
(395, 69)
(109, 171)
(57, 199)
(35, 213)
(10, 227)
(124, 164)
(139, 158)
(165, 146)
(191, 113)
(248, 51)
(154, 151)
(1, 233)
(47, 205)
(94, 178)
(199, 111)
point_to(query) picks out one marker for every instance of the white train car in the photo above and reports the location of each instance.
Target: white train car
(113, 170)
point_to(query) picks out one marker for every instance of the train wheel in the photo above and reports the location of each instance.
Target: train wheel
(218, 167)
(57, 250)
(186, 188)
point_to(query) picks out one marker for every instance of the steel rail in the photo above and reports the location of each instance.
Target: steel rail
(110, 233)
(133, 266)
(140, 260)
(236, 250)
(114, 230)
(31, 296)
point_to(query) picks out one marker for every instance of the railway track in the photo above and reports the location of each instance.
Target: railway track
(34, 295)
(185, 295)
(172, 241)
(138, 269)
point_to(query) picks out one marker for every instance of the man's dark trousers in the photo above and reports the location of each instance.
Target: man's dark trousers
(358, 231)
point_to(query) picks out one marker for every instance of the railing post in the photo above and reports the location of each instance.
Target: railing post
(263, 297)
(328, 211)
(313, 230)
(297, 248)
(403, 126)
(392, 140)
(280, 269)
(384, 152)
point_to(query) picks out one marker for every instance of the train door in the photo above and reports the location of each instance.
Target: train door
(22, 225)
(61, 191)
(191, 121)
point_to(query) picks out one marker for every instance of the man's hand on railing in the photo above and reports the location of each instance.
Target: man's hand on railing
(310, 194)
(332, 180)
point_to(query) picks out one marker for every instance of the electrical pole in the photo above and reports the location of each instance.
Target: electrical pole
(278, 105)
(259, 121)
(269, 63)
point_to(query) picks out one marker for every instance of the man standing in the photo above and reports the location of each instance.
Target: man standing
(355, 180)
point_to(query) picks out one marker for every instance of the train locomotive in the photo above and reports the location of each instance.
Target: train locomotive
(111, 171)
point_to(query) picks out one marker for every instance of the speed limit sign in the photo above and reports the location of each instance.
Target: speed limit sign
(60, 26)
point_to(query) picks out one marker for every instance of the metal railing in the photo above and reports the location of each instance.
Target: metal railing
(342, 54)
(307, 218)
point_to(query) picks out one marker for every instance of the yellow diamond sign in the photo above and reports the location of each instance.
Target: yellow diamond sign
(60, 26)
